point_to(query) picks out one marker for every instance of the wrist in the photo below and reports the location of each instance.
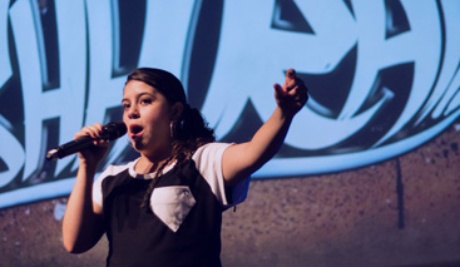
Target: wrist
(88, 166)
(285, 114)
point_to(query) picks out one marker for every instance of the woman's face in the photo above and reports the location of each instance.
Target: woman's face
(147, 115)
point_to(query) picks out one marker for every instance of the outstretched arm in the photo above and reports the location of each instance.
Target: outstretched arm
(241, 160)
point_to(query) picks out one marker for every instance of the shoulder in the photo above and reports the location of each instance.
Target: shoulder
(208, 158)
(112, 174)
(210, 151)
(208, 161)
(114, 170)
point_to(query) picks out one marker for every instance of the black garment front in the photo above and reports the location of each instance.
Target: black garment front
(137, 237)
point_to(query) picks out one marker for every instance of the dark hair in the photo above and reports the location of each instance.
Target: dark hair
(189, 131)
(163, 81)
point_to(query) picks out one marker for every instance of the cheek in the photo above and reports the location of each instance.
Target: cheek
(158, 121)
(159, 114)
(124, 117)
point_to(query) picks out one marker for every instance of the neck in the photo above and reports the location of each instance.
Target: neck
(149, 164)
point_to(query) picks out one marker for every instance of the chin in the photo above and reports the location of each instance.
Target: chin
(138, 145)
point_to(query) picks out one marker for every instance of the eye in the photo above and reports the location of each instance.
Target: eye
(146, 101)
(125, 106)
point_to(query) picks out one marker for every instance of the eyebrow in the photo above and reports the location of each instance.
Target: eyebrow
(139, 96)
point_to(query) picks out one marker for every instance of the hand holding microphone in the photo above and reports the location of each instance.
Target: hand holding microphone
(89, 136)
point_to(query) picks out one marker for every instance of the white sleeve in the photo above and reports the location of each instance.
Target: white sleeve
(97, 185)
(208, 160)
(97, 191)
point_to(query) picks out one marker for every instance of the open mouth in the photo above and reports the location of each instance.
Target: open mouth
(135, 130)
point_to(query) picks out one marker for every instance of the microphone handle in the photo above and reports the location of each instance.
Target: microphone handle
(110, 131)
(69, 148)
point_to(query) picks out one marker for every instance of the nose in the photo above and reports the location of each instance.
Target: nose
(133, 112)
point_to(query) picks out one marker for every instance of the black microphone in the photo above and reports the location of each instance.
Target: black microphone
(110, 131)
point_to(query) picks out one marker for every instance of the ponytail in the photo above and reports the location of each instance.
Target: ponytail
(190, 132)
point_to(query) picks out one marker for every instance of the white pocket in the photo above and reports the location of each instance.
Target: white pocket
(172, 204)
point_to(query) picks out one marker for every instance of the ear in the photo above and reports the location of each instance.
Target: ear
(176, 110)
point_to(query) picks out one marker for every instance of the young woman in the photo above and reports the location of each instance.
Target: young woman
(165, 208)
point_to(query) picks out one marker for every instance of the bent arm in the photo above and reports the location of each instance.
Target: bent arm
(82, 225)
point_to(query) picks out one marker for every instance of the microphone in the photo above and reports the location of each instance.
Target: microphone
(110, 131)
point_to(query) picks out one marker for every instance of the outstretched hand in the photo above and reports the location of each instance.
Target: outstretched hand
(292, 95)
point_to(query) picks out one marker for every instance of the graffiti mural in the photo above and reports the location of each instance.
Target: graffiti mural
(383, 77)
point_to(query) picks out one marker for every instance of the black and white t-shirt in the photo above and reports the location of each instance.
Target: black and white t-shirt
(182, 226)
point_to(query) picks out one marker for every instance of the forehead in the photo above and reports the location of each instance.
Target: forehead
(135, 87)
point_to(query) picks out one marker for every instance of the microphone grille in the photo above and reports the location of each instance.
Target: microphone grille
(113, 130)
